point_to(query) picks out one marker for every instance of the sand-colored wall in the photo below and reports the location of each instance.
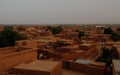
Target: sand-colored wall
(9, 60)
(114, 68)
(30, 72)
(57, 70)
(29, 43)
(7, 50)
(114, 71)
(84, 68)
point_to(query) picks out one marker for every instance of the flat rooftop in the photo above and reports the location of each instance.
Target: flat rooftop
(83, 61)
(86, 44)
(64, 72)
(71, 46)
(38, 65)
(44, 40)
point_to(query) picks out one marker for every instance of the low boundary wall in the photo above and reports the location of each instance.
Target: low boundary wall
(7, 61)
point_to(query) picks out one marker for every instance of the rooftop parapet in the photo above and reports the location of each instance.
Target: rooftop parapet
(7, 61)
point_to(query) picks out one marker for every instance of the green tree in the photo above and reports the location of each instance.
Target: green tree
(115, 36)
(114, 52)
(55, 30)
(108, 30)
(119, 73)
(8, 37)
(106, 56)
(80, 34)
(9, 34)
(118, 29)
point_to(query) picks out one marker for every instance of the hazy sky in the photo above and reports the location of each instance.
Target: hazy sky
(59, 11)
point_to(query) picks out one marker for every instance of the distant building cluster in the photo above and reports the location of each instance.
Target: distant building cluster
(76, 50)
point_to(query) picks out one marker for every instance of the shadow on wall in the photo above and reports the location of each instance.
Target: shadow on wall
(84, 68)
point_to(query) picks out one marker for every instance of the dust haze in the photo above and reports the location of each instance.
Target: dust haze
(59, 11)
